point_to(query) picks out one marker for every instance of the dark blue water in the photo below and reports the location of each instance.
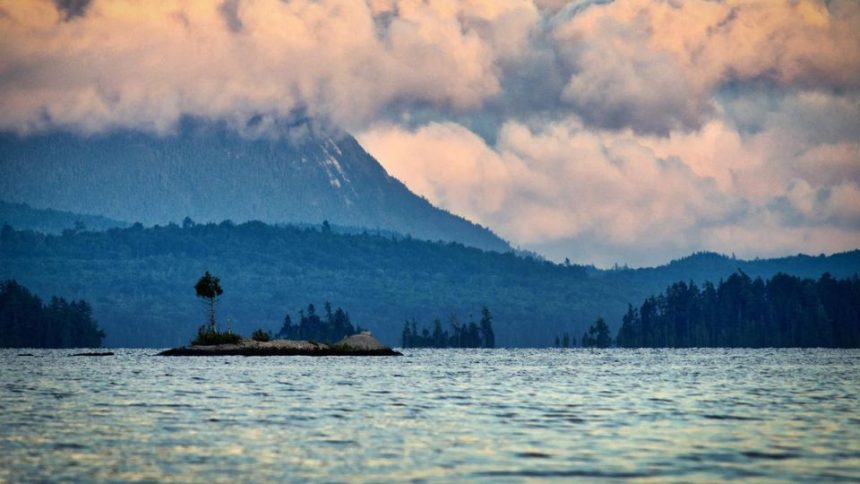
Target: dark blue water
(485, 415)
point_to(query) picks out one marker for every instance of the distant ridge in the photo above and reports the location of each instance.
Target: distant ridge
(701, 266)
(139, 280)
(210, 173)
(24, 217)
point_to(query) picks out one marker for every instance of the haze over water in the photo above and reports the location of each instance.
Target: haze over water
(433, 414)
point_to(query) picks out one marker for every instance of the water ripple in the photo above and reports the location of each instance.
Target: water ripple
(487, 415)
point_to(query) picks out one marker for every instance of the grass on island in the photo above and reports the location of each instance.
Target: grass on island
(210, 337)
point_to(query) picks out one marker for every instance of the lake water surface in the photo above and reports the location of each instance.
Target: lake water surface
(488, 415)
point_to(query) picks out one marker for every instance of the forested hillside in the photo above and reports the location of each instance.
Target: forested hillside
(24, 217)
(140, 280)
(26, 322)
(784, 311)
(211, 173)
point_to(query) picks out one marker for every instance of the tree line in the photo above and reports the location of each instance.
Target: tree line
(469, 335)
(596, 336)
(137, 279)
(331, 328)
(311, 327)
(25, 322)
(784, 311)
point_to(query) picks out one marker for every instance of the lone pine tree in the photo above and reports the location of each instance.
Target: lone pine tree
(208, 288)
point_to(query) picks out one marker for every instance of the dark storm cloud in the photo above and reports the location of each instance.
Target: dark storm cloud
(72, 8)
(230, 10)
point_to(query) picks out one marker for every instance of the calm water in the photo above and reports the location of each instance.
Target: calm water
(493, 415)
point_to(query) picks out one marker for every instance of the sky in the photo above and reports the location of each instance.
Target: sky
(627, 131)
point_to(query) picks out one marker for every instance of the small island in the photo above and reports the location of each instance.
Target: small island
(211, 342)
(362, 344)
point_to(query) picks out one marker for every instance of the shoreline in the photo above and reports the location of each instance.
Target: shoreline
(363, 344)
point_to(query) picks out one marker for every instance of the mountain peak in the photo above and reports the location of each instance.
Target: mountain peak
(210, 172)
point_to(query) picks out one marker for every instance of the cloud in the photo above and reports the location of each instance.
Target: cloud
(626, 130)
(555, 182)
(607, 196)
(143, 65)
(651, 66)
(72, 8)
(656, 66)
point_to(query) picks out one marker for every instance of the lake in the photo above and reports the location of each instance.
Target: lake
(484, 415)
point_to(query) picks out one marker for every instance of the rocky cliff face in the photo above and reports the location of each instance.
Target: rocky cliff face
(210, 173)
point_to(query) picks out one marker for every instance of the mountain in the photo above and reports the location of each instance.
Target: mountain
(140, 280)
(210, 173)
(24, 217)
(710, 267)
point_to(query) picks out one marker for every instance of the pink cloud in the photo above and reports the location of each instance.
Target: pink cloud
(675, 126)
(142, 65)
(554, 184)
(655, 66)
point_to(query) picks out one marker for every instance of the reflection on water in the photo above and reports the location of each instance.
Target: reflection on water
(468, 414)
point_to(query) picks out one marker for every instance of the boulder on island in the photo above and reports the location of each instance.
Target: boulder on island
(363, 341)
(363, 344)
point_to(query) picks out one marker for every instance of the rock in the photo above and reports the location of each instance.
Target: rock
(106, 353)
(363, 344)
(363, 341)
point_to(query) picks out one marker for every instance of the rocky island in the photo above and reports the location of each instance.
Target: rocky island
(212, 342)
(362, 344)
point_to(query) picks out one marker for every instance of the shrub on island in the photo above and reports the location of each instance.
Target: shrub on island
(260, 335)
(209, 337)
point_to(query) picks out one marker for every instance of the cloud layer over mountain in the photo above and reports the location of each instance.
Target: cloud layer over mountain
(144, 64)
(627, 130)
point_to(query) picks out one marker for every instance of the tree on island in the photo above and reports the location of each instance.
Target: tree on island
(565, 341)
(597, 335)
(469, 335)
(312, 327)
(487, 333)
(208, 288)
